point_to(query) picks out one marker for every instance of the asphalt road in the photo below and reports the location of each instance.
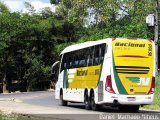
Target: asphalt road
(43, 104)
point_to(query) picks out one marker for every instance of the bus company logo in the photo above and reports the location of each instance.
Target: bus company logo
(82, 72)
(129, 44)
(139, 80)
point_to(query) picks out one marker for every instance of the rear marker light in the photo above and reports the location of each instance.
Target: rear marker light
(109, 87)
(151, 91)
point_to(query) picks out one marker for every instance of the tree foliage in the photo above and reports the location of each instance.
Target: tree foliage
(120, 19)
(27, 45)
(3, 8)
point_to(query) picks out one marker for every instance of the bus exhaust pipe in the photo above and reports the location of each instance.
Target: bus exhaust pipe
(115, 102)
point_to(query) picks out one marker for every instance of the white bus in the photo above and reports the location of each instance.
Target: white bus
(117, 72)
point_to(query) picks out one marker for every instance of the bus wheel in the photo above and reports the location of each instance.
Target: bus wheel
(93, 104)
(129, 108)
(87, 102)
(63, 102)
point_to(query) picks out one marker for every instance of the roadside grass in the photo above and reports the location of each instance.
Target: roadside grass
(17, 117)
(156, 104)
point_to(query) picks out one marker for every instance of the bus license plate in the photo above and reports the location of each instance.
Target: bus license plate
(131, 98)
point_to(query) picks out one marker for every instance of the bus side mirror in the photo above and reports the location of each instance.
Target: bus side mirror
(53, 68)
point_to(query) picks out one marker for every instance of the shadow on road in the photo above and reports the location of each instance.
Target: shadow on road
(108, 109)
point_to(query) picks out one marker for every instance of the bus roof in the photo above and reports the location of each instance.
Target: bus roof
(92, 43)
(84, 45)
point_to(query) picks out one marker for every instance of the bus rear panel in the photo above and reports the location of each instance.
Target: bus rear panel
(133, 74)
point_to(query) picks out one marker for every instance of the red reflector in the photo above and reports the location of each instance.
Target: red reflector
(151, 91)
(109, 84)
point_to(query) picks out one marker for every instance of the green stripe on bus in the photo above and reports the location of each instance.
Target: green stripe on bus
(120, 87)
(134, 79)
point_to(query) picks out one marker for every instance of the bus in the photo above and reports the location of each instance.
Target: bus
(114, 71)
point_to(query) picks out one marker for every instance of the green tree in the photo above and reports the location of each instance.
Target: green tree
(29, 7)
(3, 8)
(121, 19)
(26, 40)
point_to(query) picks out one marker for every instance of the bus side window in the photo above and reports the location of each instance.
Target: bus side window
(90, 62)
(81, 58)
(75, 59)
(82, 63)
(70, 65)
(90, 56)
(76, 64)
(96, 61)
(70, 60)
(64, 62)
(64, 66)
(96, 55)
(102, 52)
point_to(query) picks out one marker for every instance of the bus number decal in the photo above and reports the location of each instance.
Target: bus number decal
(149, 49)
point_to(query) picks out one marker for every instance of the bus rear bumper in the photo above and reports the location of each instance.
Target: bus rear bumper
(128, 99)
(135, 100)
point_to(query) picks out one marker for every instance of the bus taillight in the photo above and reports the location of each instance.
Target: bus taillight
(109, 87)
(151, 91)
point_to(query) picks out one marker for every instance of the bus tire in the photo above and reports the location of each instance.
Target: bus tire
(94, 106)
(63, 102)
(87, 101)
(129, 108)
